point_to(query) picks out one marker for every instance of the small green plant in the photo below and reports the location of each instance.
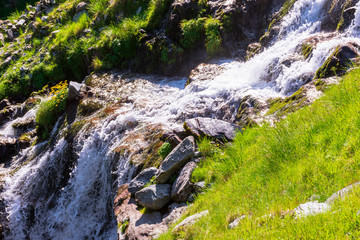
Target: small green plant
(49, 110)
(213, 37)
(164, 150)
(193, 32)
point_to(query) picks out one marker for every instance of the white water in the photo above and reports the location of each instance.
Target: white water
(41, 206)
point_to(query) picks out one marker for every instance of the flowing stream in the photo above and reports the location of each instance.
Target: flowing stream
(52, 196)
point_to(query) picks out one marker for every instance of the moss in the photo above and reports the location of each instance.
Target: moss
(283, 106)
(341, 23)
(164, 150)
(74, 129)
(306, 50)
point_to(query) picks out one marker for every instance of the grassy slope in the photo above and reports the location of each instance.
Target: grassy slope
(270, 170)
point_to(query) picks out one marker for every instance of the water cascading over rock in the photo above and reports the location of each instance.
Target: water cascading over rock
(64, 188)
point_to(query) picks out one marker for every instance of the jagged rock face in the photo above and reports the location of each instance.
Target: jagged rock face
(178, 157)
(339, 14)
(7, 148)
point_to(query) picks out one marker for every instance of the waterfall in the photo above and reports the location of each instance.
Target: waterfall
(54, 195)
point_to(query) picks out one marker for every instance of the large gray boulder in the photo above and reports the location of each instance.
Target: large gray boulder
(178, 157)
(213, 128)
(154, 196)
(142, 179)
(182, 187)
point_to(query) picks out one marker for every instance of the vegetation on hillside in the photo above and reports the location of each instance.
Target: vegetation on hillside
(63, 43)
(268, 171)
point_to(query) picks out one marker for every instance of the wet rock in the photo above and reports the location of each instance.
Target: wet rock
(4, 103)
(339, 61)
(182, 186)
(213, 128)
(178, 157)
(154, 196)
(310, 208)
(142, 179)
(81, 6)
(189, 221)
(339, 15)
(204, 72)
(236, 222)
(7, 148)
(74, 89)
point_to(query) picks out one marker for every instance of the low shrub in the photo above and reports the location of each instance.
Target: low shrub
(50, 109)
(193, 32)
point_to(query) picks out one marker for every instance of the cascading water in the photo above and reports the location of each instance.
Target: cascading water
(56, 196)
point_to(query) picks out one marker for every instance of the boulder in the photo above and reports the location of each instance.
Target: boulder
(339, 61)
(182, 187)
(178, 157)
(204, 72)
(189, 221)
(74, 89)
(154, 196)
(141, 179)
(213, 128)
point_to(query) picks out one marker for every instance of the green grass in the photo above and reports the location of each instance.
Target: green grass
(271, 170)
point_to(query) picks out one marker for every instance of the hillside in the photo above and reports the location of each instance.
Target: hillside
(184, 119)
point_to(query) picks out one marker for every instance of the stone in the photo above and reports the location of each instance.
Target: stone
(176, 210)
(74, 89)
(341, 193)
(199, 187)
(20, 23)
(154, 196)
(310, 208)
(78, 15)
(212, 128)
(189, 221)
(176, 159)
(339, 61)
(10, 35)
(7, 148)
(81, 6)
(236, 222)
(142, 179)
(182, 186)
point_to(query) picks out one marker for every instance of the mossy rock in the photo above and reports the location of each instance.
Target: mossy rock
(339, 61)
(282, 106)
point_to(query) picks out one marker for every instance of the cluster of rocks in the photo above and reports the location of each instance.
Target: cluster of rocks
(165, 190)
(10, 30)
